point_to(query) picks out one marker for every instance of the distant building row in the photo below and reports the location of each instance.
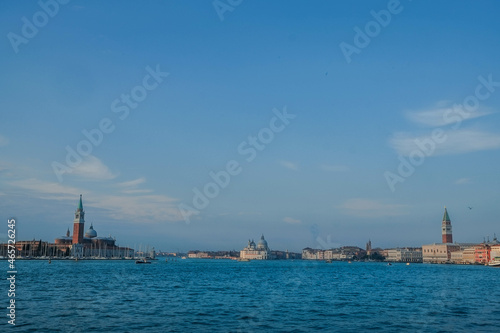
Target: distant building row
(343, 253)
(459, 253)
(78, 245)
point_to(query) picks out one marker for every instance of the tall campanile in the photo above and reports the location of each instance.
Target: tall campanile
(446, 228)
(78, 224)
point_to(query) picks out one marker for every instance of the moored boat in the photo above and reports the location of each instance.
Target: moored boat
(142, 261)
(495, 262)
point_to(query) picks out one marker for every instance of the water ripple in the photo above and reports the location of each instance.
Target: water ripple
(275, 296)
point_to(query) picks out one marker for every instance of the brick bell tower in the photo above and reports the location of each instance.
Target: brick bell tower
(446, 228)
(78, 224)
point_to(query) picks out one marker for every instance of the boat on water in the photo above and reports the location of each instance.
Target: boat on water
(243, 259)
(328, 261)
(495, 262)
(142, 261)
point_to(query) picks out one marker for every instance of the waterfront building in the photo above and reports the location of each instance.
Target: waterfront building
(408, 254)
(284, 255)
(88, 244)
(494, 252)
(441, 252)
(332, 254)
(469, 255)
(36, 248)
(438, 252)
(260, 251)
(465, 255)
(199, 255)
(196, 254)
(78, 245)
(312, 254)
(483, 251)
(342, 253)
(457, 257)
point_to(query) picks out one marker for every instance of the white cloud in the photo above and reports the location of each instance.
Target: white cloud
(462, 181)
(371, 208)
(291, 220)
(136, 191)
(240, 214)
(334, 168)
(129, 187)
(289, 165)
(444, 113)
(136, 208)
(454, 142)
(132, 183)
(92, 168)
(139, 208)
(45, 188)
(3, 141)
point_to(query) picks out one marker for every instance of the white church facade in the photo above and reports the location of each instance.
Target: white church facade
(260, 251)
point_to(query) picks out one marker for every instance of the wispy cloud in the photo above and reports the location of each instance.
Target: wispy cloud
(93, 169)
(3, 141)
(462, 181)
(136, 191)
(132, 183)
(455, 142)
(130, 187)
(334, 167)
(444, 113)
(4, 166)
(240, 214)
(290, 165)
(45, 189)
(137, 208)
(360, 207)
(291, 220)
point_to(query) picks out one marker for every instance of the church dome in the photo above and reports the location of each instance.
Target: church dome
(91, 233)
(262, 243)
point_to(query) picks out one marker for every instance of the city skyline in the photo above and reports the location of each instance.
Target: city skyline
(321, 243)
(297, 122)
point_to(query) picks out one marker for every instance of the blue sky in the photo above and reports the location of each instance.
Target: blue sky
(324, 179)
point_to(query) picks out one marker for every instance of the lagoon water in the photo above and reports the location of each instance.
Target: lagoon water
(257, 296)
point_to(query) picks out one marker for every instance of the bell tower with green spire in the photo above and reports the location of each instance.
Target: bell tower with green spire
(446, 228)
(79, 224)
